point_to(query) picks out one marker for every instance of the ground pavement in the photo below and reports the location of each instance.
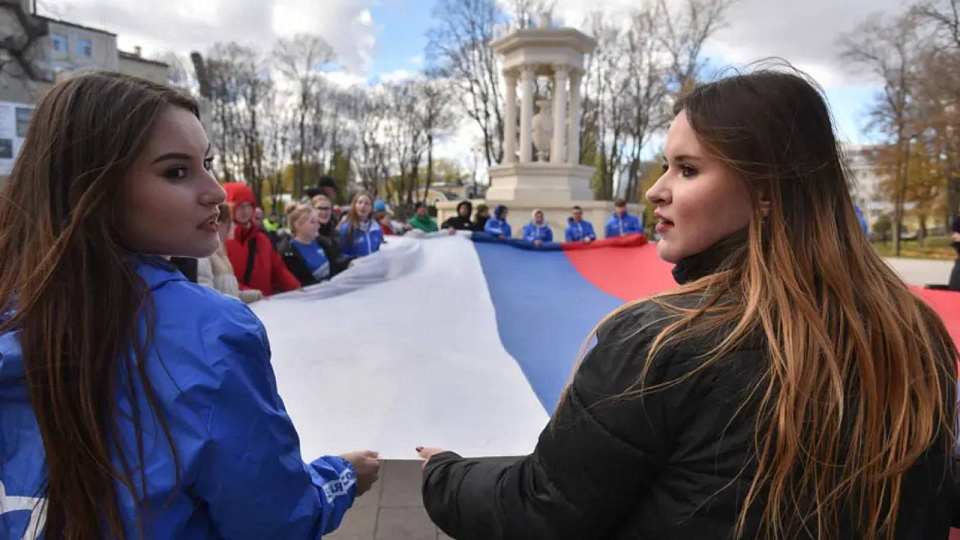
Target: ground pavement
(393, 509)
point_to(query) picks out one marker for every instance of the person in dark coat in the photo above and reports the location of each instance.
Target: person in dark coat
(782, 391)
(480, 220)
(304, 256)
(461, 221)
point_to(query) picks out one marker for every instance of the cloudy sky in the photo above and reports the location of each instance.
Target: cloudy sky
(385, 39)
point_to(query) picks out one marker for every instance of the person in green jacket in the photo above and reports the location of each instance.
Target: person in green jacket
(421, 220)
(271, 224)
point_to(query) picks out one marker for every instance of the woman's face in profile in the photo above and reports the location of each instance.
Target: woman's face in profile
(699, 201)
(169, 197)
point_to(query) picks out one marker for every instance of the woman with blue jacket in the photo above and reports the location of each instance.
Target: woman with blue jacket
(537, 231)
(133, 403)
(360, 234)
(497, 225)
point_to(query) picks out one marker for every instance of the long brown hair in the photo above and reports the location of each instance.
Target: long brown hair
(76, 299)
(353, 218)
(861, 374)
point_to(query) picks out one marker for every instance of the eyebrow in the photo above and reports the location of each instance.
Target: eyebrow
(684, 157)
(180, 155)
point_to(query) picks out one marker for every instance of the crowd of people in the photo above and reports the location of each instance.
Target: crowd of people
(791, 387)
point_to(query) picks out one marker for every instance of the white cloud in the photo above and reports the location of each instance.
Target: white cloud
(804, 33)
(397, 75)
(186, 25)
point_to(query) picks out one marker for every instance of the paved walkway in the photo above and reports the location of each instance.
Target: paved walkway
(393, 508)
(922, 271)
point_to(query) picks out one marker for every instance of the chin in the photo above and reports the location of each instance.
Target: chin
(666, 254)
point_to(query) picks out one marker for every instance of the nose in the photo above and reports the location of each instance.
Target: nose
(659, 192)
(213, 193)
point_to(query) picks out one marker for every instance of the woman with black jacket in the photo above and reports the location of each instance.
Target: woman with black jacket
(302, 252)
(791, 387)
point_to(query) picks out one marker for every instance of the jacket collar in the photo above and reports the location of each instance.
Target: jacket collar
(710, 260)
(156, 271)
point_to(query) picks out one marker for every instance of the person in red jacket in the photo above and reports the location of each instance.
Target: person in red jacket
(257, 265)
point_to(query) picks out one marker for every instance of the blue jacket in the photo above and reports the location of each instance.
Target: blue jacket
(366, 239)
(497, 227)
(532, 232)
(577, 232)
(241, 474)
(617, 226)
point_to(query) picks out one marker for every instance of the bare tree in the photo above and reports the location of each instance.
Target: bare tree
(302, 60)
(684, 32)
(460, 46)
(945, 16)
(647, 93)
(890, 50)
(436, 117)
(368, 113)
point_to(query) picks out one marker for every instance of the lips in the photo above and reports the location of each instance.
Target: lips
(663, 224)
(211, 222)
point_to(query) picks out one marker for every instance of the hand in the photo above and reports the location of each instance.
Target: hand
(955, 237)
(350, 264)
(587, 240)
(502, 237)
(451, 231)
(366, 465)
(427, 453)
(537, 243)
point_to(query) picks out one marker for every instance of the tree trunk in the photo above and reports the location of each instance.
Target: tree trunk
(426, 190)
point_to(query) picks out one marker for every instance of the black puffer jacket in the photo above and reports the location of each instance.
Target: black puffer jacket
(665, 466)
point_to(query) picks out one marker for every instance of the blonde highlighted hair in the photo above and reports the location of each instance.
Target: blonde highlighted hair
(861, 375)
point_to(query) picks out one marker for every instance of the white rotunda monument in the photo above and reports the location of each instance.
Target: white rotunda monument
(541, 156)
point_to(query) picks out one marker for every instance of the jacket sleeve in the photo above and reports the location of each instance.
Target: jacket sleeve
(592, 463)
(549, 237)
(251, 475)
(608, 231)
(568, 236)
(298, 269)
(590, 232)
(283, 280)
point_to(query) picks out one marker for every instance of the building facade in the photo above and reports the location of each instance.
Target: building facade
(36, 52)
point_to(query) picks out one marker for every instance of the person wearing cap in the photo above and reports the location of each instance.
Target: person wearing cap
(256, 264)
(579, 229)
(622, 223)
(537, 231)
(461, 221)
(497, 225)
(384, 217)
(421, 220)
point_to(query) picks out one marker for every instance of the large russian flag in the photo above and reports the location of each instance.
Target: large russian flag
(454, 341)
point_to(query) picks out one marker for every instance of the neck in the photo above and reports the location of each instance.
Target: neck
(303, 238)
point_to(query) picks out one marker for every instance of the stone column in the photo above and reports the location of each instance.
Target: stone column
(559, 114)
(510, 120)
(573, 135)
(526, 115)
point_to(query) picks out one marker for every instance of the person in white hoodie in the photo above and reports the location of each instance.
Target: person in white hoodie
(216, 271)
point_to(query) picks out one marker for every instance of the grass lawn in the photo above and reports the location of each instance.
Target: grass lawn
(934, 247)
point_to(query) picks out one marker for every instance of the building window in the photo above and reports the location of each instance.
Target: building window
(84, 48)
(60, 42)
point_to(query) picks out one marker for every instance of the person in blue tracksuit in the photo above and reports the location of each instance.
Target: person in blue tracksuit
(579, 229)
(360, 234)
(497, 225)
(161, 420)
(621, 223)
(537, 231)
